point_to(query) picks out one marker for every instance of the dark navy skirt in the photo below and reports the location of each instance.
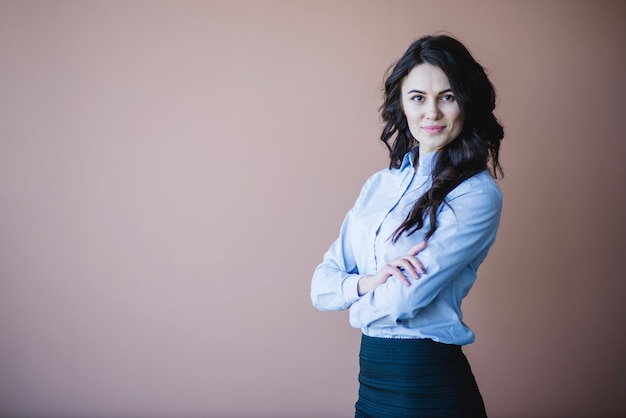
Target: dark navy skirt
(415, 378)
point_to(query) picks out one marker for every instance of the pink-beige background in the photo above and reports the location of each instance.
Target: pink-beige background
(172, 172)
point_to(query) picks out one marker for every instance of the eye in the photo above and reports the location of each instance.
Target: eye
(448, 98)
(418, 98)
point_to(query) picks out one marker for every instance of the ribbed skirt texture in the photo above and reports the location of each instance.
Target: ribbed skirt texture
(415, 378)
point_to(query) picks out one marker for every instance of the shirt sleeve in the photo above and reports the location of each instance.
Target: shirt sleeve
(466, 229)
(334, 283)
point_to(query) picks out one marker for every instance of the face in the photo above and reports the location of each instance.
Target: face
(430, 107)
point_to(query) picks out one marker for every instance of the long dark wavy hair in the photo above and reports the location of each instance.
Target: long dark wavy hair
(477, 146)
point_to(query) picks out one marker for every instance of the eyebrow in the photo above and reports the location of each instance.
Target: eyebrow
(421, 92)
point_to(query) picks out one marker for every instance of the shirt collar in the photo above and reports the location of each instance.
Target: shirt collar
(426, 162)
(409, 158)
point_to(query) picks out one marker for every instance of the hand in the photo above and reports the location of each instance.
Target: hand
(408, 262)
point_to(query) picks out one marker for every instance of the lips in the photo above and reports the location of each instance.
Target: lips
(433, 129)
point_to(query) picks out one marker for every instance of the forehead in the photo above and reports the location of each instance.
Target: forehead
(426, 78)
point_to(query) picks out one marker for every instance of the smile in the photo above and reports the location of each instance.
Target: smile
(433, 129)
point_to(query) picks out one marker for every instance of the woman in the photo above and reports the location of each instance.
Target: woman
(409, 249)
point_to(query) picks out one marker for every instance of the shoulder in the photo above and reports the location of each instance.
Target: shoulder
(391, 176)
(381, 182)
(482, 187)
(385, 176)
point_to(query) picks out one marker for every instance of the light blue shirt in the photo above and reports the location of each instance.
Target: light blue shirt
(431, 306)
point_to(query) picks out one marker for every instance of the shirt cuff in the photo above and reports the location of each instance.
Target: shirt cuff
(350, 288)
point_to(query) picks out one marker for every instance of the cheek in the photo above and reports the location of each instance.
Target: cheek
(460, 124)
(457, 129)
(410, 119)
(458, 121)
(413, 130)
(411, 116)
(413, 122)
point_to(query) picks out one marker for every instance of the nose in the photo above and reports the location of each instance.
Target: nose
(432, 111)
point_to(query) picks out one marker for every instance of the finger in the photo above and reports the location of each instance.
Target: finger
(408, 266)
(417, 248)
(412, 265)
(417, 265)
(397, 273)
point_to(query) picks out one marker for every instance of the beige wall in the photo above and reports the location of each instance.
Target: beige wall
(172, 172)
